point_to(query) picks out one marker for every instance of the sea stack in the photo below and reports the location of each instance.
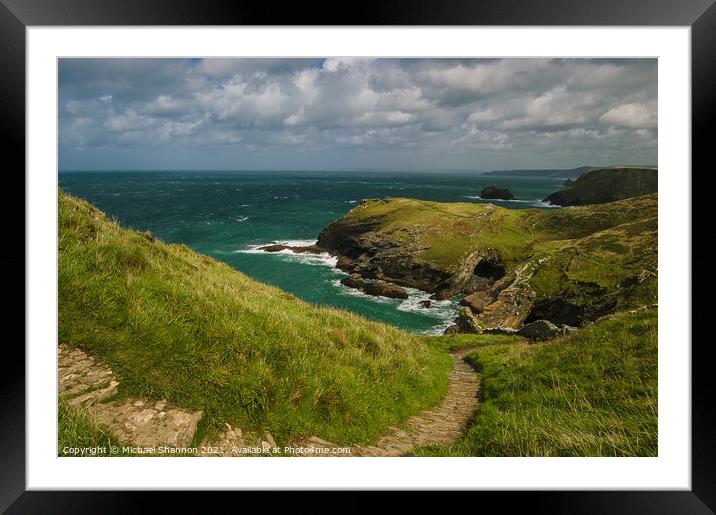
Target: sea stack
(496, 192)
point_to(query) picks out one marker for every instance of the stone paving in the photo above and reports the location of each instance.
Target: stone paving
(440, 425)
(85, 382)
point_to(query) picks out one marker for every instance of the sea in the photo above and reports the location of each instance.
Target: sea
(228, 215)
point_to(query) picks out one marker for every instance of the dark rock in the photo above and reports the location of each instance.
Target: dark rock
(453, 329)
(310, 249)
(606, 185)
(384, 289)
(353, 281)
(364, 266)
(476, 301)
(467, 323)
(425, 303)
(540, 330)
(490, 266)
(502, 284)
(495, 192)
(345, 263)
(588, 301)
(273, 248)
(441, 295)
(567, 182)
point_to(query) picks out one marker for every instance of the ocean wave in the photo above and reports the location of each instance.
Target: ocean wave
(443, 311)
(242, 218)
(323, 258)
(536, 202)
(353, 292)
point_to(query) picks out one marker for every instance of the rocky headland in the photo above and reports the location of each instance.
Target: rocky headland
(512, 267)
(606, 185)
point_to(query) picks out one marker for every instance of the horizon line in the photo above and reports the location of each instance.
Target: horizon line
(447, 170)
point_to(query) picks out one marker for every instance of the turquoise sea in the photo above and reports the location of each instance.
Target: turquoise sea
(228, 214)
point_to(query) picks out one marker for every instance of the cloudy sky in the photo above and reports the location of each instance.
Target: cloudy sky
(400, 114)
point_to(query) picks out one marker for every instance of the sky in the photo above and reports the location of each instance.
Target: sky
(355, 114)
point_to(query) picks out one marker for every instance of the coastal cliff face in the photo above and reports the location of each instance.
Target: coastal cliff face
(568, 266)
(607, 185)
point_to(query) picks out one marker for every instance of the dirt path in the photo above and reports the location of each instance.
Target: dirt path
(441, 425)
(85, 382)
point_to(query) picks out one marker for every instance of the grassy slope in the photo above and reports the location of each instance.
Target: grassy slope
(590, 394)
(445, 233)
(178, 325)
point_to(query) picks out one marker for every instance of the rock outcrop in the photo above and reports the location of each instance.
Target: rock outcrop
(384, 289)
(310, 249)
(477, 301)
(607, 185)
(496, 192)
(353, 281)
(540, 330)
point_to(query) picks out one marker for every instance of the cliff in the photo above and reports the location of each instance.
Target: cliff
(606, 185)
(567, 266)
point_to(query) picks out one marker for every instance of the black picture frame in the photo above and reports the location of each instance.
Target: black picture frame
(17, 15)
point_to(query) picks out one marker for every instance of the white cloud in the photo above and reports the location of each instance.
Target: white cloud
(634, 116)
(436, 107)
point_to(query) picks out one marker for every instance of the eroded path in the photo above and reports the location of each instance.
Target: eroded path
(86, 382)
(441, 425)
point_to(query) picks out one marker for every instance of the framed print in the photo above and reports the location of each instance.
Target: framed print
(422, 252)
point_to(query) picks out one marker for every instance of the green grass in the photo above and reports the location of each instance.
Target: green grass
(590, 394)
(456, 342)
(443, 234)
(77, 428)
(176, 325)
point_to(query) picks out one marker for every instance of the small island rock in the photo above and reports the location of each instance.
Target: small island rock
(496, 192)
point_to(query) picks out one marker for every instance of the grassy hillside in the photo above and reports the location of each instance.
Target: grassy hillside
(590, 394)
(177, 325)
(607, 185)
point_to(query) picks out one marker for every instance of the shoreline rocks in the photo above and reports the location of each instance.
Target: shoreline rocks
(353, 281)
(311, 249)
(385, 289)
